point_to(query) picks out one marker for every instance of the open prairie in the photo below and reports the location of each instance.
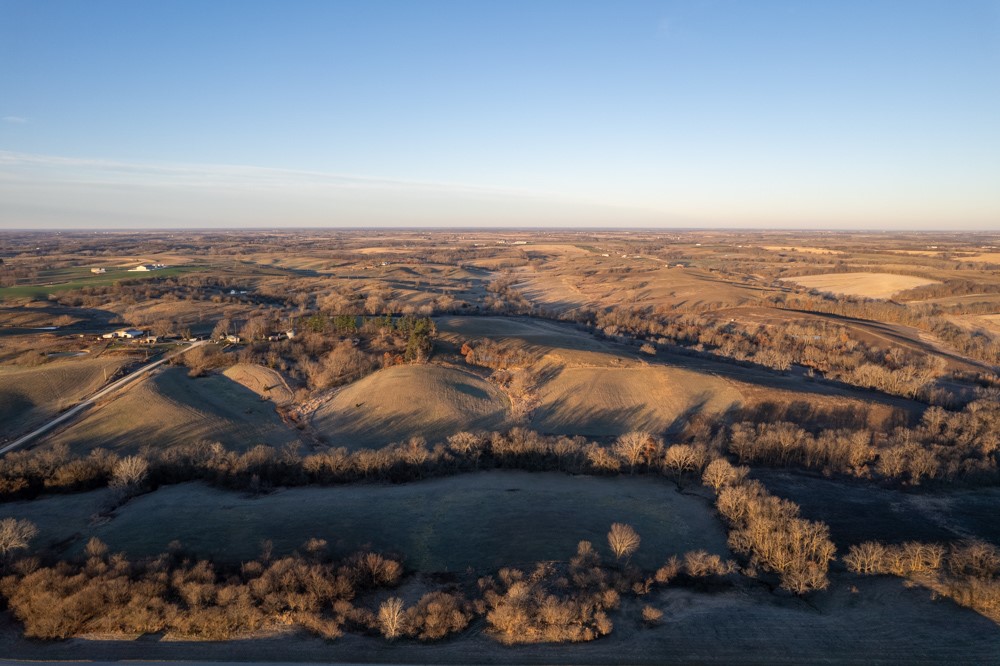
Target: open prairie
(868, 285)
(171, 408)
(401, 402)
(30, 395)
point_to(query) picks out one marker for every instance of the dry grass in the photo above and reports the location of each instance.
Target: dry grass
(611, 401)
(265, 382)
(171, 408)
(868, 285)
(410, 400)
(568, 284)
(28, 396)
(799, 248)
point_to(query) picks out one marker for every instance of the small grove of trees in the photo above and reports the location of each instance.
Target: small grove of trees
(769, 530)
(435, 616)
(945, 445)
(968, 571)
(172, 593)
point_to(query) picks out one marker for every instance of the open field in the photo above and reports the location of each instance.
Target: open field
(265, 382)
(600, 402)
(485, 520)
(87, 279)
(806, 250)
(30, 395)
(171, 408)
(868, 285)
(593, 281)
(889, 515)
(405, 401)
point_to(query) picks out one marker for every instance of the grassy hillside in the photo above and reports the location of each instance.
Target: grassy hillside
(609, 401)
(410, 400)
(28, 396)
(171, 408)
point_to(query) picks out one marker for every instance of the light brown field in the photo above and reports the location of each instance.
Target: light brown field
(554, 248)
(387, 250)
(28, 396)
(265, 382)
(573, 284)
(170, 408)
(600, 402)
(984, 257)
(803, 249)
(409, 400)
(868, 285)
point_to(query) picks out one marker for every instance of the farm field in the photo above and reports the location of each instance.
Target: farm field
(868, 285)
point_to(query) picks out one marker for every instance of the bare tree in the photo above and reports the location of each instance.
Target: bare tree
(682, 458)
(631, 447)
(128, 474)
(623, 540)
(15, 534)
(390, 617)
(721, 473)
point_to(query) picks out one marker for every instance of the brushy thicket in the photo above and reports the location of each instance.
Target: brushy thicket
(968, 572)
(189, 598)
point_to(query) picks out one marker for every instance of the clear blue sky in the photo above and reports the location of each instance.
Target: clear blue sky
(867, 113)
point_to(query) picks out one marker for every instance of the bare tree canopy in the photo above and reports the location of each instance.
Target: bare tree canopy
(623, 540)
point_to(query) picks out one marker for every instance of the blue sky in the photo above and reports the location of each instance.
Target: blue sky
(801, 114)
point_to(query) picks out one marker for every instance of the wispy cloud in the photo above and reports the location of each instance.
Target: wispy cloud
(15, 120)
(50, 188)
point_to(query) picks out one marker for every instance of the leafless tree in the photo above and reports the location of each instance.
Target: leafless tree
(15, 534)
(390, 617)
(129, 472)
(623, 540)
(631, 448)
(721, 473)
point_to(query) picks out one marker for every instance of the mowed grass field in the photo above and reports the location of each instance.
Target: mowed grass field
(868, 285)
(171, 408)
(28, 396)
(484, 520)
(410, 400)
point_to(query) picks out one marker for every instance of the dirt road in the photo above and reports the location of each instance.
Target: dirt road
(110, 388)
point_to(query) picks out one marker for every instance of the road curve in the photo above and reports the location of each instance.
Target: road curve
(110, 388)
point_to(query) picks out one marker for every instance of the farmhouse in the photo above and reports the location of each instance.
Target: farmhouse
(98, 271)
(142, 268)
(125, 333)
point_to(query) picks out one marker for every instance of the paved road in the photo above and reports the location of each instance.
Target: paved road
(110, 388)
